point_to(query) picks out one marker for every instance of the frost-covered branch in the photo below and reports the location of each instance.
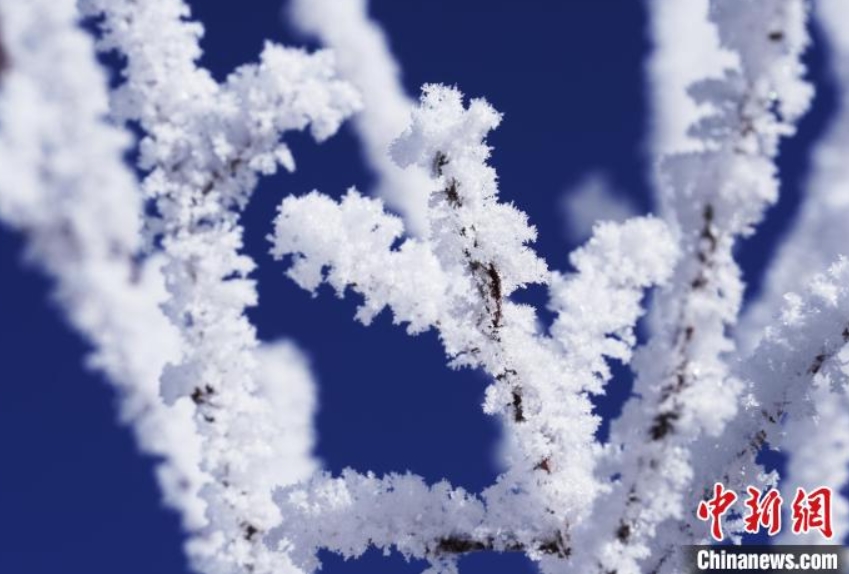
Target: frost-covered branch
(816, 238)
(801, 357)
(351, 512)
(815, 241)
(80, 210)
(598, 306)
(155, 276)
(713, 197)
(805, 353)
(458, 279)
(205, 146)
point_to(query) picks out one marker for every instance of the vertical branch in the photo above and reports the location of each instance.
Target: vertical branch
(487, 281)
(461, 213)
(815, 241)
(205, 147)
(80, 210)
(713, 197)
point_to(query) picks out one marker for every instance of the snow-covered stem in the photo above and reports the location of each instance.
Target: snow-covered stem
(347, 514)
(204, 148)
(459, 278)
(712, 197)
(800, 357)
(80, 210)
(813, 438)
(816, 238)
(814, 242)
(803, 356)
(365, 59)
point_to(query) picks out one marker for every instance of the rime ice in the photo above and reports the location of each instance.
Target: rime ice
(161, 293)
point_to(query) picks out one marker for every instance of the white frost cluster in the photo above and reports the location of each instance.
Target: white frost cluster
(613, 271)
(458, 278)
(350, 243)
(349, 513)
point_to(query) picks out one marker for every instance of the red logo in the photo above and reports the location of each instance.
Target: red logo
(763, 511)
(812, 511)
(715, 508)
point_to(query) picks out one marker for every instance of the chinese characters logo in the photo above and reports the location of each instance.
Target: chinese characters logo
(810, 511)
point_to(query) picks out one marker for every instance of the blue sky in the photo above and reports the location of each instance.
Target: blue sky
(76, 497)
